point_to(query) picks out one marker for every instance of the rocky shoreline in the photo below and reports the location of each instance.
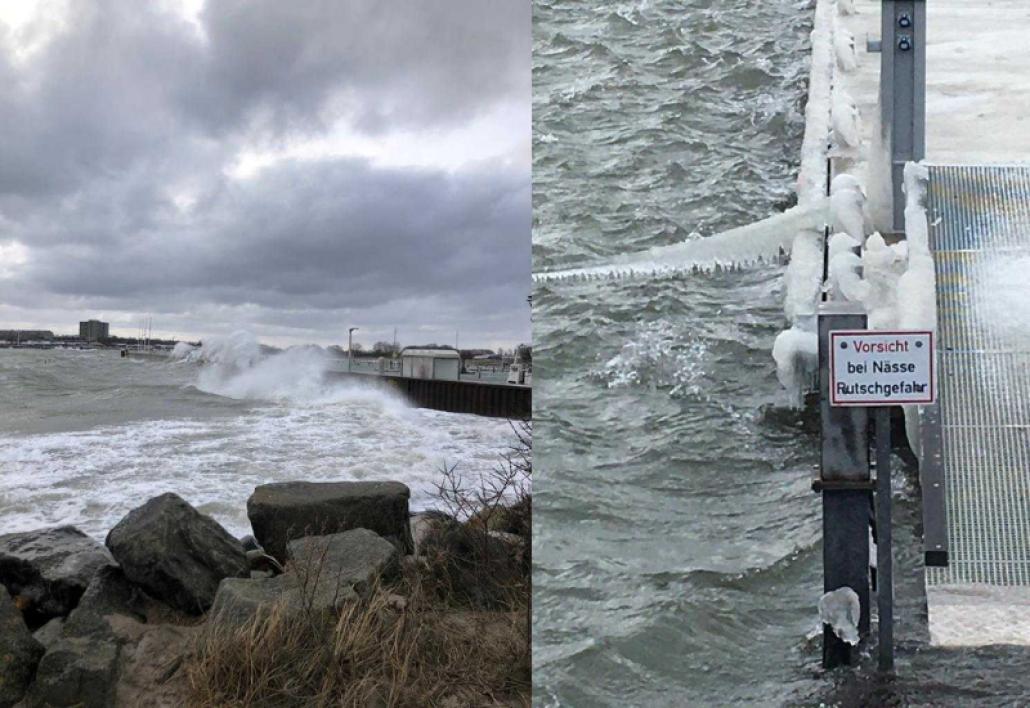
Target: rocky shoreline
(96, 625)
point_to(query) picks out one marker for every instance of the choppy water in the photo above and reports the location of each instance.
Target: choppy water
(85, 435)
(677, 538)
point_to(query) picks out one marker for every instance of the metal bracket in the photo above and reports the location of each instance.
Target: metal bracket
(832, 485)
(931, 478)
(903, 90)
(873, 46)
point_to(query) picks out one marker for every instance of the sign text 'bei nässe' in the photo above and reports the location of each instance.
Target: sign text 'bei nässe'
(880, 368)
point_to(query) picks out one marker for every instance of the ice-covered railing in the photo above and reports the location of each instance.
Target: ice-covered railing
(831, 128)
(893, 282)
(760, 242)
(798, 231)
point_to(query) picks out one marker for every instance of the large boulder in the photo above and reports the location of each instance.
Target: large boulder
(354, 558)
(284, 511)
(48, 570)
(76, 672)
(324, 573)
(19, 653)
(175, 553)
(239, 600)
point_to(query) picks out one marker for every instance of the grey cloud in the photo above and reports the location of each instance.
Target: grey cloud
(401, 62)
(129, 83)
(130, 106)
(312, 230)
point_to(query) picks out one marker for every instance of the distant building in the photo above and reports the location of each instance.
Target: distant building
(26, 335)
(430, 363)
(94, 330)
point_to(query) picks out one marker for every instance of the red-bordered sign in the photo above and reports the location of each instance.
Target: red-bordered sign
(882, 367)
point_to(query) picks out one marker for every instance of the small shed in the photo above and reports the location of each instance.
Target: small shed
(442, 364)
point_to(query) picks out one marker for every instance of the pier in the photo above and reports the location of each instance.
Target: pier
(980, 216)
(942, 82)
(485, 396)
(492, 399)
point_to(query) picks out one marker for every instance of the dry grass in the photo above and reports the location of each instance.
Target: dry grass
(451, 630)
(374, 653)
(465, 567)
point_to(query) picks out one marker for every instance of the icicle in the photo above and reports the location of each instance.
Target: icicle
(740, 245)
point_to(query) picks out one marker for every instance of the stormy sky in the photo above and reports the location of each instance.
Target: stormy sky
(287, 168)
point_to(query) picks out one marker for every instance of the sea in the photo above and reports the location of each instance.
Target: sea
(86, 436)
(677, 553)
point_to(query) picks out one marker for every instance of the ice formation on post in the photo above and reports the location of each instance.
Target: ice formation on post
(790, 346)
(882, 266)
(844, 45)
(847, 206)
(917, 287)
(841, 610)
(844, 282)
(846, 125)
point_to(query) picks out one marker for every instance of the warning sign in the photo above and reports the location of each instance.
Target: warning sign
(880, 368)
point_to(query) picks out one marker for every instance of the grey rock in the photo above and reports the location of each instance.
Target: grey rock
(175, 553)
(109, 593)
(49, 569)
(258, 560)
(423, 523)
(76, 672)
(353, 558)
(50, 632)
(250, 543)
(241, 600)
(284, 511)
(19, 652)
(150, 673)
(324, 573)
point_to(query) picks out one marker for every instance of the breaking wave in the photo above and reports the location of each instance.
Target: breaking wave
(237, 366)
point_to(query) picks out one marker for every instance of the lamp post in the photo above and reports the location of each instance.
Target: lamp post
(350, 348)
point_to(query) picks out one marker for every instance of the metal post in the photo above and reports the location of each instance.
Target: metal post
(845, 484)
(903, 91)
(350, 348)
(884, 553)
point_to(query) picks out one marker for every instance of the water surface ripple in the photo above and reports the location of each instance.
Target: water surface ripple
(676, 530)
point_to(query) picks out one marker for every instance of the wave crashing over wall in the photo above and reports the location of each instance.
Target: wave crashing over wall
(238, 366)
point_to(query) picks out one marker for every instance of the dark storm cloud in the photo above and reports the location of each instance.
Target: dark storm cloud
(408, 63)
(308, 232)
(118, 135)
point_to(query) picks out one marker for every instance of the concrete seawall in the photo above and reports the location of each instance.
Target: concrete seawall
(472, 397)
